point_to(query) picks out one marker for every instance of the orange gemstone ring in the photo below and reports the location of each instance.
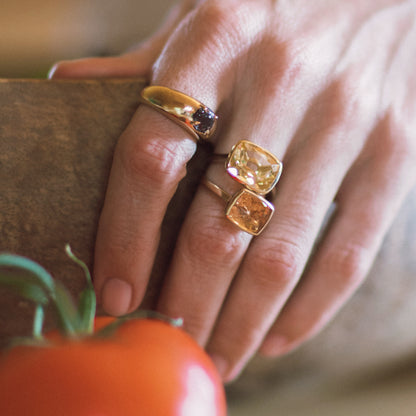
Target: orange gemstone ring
(246, 209)
(189, 113)
(254, 167)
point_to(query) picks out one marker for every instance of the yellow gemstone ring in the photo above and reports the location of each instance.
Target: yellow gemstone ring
(189, 113)
(254, 167)
(246, 209)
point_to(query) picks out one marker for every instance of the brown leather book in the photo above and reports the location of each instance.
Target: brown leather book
(56, 144)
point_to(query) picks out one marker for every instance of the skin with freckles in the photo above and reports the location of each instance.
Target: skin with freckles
(328, 87)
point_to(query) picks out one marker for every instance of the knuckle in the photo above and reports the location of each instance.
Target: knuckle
(209, 23)
(154, 161)
(278, 64)
(396, 143)
(347, 265)
(276, 267)
(347, 104)
(214, 243)
(222, 28)
(214, 13)
(339, 94)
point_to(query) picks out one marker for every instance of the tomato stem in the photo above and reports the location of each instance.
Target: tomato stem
(87, 304)
(109, 330)
(80, 263)
(28, 279)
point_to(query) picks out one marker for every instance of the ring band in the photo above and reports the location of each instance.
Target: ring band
(189, 113)
(246, 209)
(254, 167)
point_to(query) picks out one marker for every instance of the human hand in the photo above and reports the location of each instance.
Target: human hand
(329, 87)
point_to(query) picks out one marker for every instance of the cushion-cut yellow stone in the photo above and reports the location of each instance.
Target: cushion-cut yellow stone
(249, 211)
(254, 167)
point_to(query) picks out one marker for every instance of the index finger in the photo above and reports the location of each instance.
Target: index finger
(149, 161)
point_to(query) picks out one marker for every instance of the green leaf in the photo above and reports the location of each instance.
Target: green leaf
(24, 287)
(66, 310)
(28, 279)
(87, 302)
(31, 270)
(80, 263)
(86, 310)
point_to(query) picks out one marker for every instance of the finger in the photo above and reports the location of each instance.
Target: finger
(149, 162)
(314, 169)
(347, 253)
(207, 256)
(136, 62)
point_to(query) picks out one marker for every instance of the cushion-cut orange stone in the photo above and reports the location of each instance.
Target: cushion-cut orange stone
(254, 167)
(249, 211)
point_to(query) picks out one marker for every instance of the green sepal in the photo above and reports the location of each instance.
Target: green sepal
(28, 279)
(18, 267)
(66, 311)
(86, 310)
(87, 303)
(27, 342)
(111, 328)
(22, 286)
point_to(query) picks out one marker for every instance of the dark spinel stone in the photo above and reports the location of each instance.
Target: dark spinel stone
(203, 119)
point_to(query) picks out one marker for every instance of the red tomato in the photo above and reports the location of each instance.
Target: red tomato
(147, 368)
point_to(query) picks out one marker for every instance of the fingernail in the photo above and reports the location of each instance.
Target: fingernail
(221, 364)
(116, 297)
(52, 71)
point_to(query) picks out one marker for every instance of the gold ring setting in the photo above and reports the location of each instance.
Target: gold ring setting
(247, 210)
(192, 115)
(258, 171)
(249, 164)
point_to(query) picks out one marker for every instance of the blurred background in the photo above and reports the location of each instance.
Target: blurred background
(36, 33)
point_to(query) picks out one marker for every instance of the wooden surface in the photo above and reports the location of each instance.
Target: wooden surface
(56, 144)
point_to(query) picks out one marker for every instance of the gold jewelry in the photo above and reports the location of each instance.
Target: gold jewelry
(189, 113)
(254, 167)
(247, 210)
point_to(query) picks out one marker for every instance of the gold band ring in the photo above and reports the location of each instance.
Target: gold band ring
(247, 210)
(254, 167)
(189, 113)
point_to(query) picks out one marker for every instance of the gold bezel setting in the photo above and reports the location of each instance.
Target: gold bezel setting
(249, 211)
(189, 113)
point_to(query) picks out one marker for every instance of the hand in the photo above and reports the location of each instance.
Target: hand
(328, 87)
